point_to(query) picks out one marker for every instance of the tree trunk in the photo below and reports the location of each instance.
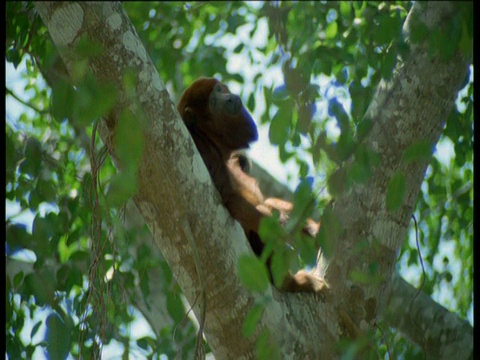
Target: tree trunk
(409, 110)
(198, 238)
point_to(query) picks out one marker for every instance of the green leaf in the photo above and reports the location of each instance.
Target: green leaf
(361, 169)
(123, 186)
(271, 232)
(42, 232)
(363, 128)
(238, 48)
(388, 64)
(338, 183)
(280, 125)
(451, 37)
(251, 102)
(18, 279)
(17, 237)
(345, 9)
(395, 191)
(175, 307)
(267, 348)
(130, 141)
(306, 249)
(336, 109)
(279, 266)
(280, 93)
(47, 190)
(32, 162)
(304, 201)
(359, 173)
(93, 100)
(58, 337)
(331, 30)
(80, 256)
(42, 286)
(466, 41)
(234, 21)
(253, 273)
(13, 55)
(35, 328)
(146, 342)
(448, 277)
(418, 30)
(145, 285)
(330, 231)
(345, 145)
(358, 95)
(11, 156)
(419, 151)
(88, 48)
(252, 319)
(305, 115)
(63, 100)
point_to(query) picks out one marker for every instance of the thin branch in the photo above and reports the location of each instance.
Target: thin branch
(26, 103)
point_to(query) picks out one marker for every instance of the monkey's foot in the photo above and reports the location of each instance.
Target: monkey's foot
(303, 281)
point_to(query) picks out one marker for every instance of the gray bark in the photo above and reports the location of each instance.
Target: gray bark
(440, 333)
(410, 109)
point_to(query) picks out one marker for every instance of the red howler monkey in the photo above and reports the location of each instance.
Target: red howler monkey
(220, 125)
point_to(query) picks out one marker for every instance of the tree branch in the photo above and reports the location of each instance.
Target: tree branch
(410, 109)
(439, 332)
(25, 103)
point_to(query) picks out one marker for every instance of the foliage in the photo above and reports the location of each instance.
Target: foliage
(331, 56)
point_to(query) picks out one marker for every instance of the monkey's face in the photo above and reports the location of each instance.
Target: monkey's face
(207, 106)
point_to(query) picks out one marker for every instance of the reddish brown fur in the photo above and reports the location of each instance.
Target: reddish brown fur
(220, 125)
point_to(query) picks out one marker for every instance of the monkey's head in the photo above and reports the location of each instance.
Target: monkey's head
(208, 108)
